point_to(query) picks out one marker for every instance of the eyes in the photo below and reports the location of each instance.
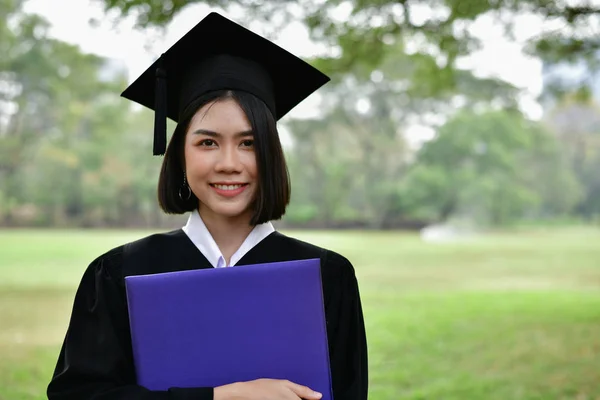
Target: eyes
(207, 143)
(246, 143)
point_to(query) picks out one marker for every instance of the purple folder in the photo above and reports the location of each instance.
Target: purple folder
(210, 327)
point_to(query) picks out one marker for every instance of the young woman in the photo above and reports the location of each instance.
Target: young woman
(225, 166)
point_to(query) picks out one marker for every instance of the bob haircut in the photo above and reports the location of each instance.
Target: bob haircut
(273, 194)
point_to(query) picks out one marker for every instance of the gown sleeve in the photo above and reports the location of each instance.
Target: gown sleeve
(95, 360)
(346, 332)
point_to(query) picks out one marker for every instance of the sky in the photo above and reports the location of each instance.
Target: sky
(137, 49)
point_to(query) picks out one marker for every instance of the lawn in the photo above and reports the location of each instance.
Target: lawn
(512, 315)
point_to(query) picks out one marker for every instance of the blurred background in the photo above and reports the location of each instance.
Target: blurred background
(454, 158)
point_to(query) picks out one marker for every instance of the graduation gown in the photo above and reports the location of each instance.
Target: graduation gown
(96, 358)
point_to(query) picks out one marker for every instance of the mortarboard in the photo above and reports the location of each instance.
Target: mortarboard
(220, 54)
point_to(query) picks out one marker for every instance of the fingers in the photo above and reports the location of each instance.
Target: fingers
(303, 392)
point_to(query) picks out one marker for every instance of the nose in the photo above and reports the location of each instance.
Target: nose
(229, 160)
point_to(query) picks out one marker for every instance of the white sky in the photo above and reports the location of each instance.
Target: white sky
(138, 49)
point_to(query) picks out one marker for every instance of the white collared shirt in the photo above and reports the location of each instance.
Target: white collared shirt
(198, 233)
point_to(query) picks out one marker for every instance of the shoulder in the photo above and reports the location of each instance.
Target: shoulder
(154, 244)
(125, 259)
(331, 261)
(337, 272)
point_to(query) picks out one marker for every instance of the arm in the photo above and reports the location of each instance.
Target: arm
(95, 360)
(346, 333)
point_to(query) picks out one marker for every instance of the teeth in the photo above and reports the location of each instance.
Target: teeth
(227, 187)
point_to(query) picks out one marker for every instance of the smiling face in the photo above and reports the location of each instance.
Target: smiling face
(220, 161)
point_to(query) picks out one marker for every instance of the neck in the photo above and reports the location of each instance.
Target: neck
(228, 233)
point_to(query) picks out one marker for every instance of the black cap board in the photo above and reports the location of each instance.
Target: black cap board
(220, 54)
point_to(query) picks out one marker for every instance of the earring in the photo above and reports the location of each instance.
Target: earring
(186, 188)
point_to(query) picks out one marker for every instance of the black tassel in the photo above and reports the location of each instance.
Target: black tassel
(160, 111)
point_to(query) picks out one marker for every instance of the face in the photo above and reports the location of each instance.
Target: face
(220, 161)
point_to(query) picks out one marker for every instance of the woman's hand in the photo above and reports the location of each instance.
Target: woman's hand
(265, 389)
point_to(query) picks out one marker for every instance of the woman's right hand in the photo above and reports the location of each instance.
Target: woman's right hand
(265, 389)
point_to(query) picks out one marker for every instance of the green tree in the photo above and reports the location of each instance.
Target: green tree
(50, 92)
(494, 167)
(345, 165)
(364, 31)
(576, 124)
(324, 167)
(361, 156)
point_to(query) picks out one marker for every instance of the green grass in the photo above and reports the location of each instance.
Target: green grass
(512, 315)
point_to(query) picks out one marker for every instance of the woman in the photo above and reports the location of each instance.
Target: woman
(226, 87)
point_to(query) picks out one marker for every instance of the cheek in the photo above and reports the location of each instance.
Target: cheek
(250, 164)
(196, 163)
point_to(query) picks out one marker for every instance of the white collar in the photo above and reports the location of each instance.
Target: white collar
(198, 233)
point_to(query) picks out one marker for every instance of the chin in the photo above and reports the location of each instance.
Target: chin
(232, 212)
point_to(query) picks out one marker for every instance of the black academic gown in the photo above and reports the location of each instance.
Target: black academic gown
(96, 361)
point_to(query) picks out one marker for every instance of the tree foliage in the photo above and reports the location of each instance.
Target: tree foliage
(576, 125)
(494, 167)
(73, 153)
(66, 152)
(365, 31)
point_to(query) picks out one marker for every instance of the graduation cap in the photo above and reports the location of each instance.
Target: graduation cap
(220, 54)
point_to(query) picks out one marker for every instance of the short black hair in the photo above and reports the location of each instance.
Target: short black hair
(274, 189)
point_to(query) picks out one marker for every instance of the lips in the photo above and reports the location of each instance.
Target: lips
(228, 186)
(228, 189)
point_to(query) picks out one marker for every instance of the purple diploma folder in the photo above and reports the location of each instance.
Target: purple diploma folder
(210, 327)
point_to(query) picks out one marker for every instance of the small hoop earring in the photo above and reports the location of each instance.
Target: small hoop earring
(185, 187)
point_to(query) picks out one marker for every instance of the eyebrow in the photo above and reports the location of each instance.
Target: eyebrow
(217, 134)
